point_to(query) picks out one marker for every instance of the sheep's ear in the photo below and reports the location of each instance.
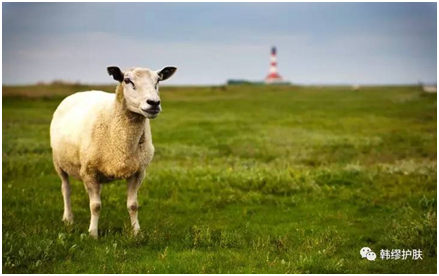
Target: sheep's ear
(166, 72)
(116, 73)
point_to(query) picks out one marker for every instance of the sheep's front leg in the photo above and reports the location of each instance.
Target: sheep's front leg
(133, 184)
(94, 193)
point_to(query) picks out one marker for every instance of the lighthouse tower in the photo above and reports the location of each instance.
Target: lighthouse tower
(273, 76)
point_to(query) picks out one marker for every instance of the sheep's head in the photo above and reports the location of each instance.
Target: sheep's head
(141, 88)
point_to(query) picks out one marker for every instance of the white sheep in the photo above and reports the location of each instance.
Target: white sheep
(99, 137)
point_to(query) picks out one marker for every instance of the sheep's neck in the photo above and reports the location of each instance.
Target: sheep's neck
(126, 127)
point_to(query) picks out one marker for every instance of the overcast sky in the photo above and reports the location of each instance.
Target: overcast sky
(318, 43)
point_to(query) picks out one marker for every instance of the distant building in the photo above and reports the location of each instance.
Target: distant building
(273, 76)
(429, 88)
(355, 87)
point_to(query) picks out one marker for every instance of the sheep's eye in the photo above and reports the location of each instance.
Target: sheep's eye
(128, 81)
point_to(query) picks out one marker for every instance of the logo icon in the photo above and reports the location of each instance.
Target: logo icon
(366, 252)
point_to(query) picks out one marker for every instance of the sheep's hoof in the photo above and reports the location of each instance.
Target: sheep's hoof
(68, 220)
(137, 234)
(94, 234)
(136, 231)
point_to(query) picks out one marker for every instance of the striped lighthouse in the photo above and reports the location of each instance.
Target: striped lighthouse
(273, 76)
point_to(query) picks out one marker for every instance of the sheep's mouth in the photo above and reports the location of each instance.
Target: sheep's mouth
(151, 112)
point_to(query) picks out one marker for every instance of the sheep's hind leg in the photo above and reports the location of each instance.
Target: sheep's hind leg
(133, 184)
(94, 193)
(66, 191)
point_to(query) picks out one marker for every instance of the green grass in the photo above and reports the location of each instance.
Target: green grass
(245, 179)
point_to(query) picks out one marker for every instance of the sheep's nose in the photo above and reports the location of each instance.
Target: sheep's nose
(153, 103)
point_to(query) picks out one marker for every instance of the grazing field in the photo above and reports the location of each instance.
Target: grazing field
(245, 179)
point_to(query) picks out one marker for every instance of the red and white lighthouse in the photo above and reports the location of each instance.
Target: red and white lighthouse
(273, 76)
